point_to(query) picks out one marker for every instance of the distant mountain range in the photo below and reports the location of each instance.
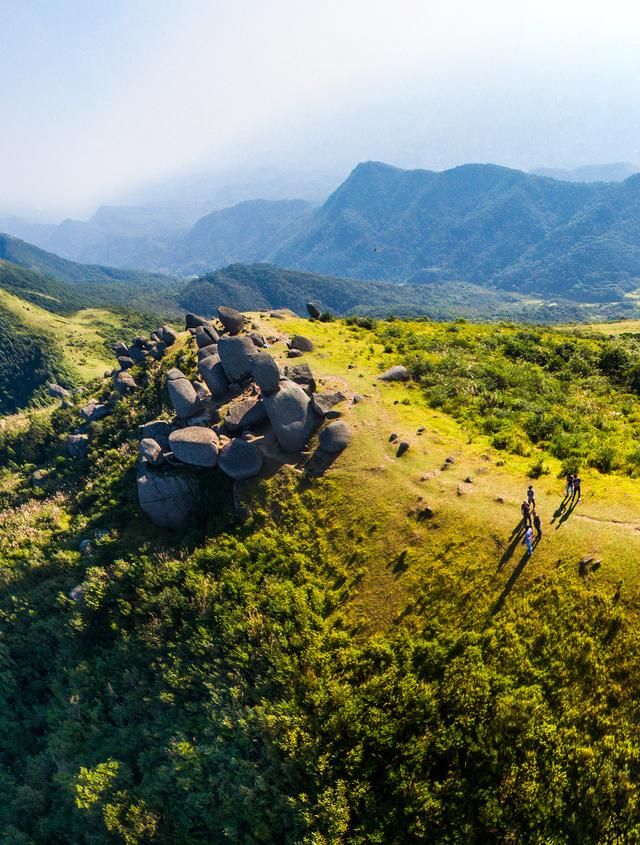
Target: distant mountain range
(617, 171)
(482, 225)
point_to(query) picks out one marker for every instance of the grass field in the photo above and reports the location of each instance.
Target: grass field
(81, 335)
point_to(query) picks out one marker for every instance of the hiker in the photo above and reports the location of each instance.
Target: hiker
(576, 488)
(537, 524)
(569, 488)
(531, 497)
(528, 540)
(526, 513)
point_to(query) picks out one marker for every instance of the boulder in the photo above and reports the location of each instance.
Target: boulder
(158, 430)
(302, 375)
(324, 402)
(257, 339)
(206, 335)
(403, 446)
(265, 372)
(302, 343)
(213, 375)
(167, 335)
(291, 415)
(236, 355)
(240, 460)
(313, 310)
(294, 353)
(57, 391)
(205, 351)
(244, 414)
(232, 320)
(125, 362)
(397, 373)
(279, 315)
(168, 500)
(192, 321)
(335, 437)
(138, 342)
(120, 348)
(158, 350)
(94, 411)
(182, 394)
(195, 445)
(78, 445)
(124, 382)
(150, 451)
(137, 354)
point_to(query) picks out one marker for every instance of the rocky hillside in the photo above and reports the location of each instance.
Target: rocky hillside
(244, 603)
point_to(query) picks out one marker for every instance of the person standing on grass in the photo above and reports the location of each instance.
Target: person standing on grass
(576, 487)
(569, 488)
(531, 497)
(537, 524)
(528, 540)
(526, 513)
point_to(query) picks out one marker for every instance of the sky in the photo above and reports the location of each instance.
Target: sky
(107, 100)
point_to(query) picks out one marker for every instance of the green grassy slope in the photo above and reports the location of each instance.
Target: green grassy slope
(369, 657)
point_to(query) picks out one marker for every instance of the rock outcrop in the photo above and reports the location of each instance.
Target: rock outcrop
(195, 445)
(214, 376)
(232, 320)
(240, 460)
(266, 372)
(236, 355)
(291, 415)
(182, 394)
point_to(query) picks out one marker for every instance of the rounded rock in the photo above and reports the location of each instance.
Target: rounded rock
(266, 372)
(291, 415)
(213, 375)
(182, 394)
(168, 500)
(236, 356)
(335, 437)
(240, 460)
(232, 320)
(397, 373)
(195, 445)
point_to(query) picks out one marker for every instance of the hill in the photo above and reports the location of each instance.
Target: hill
(617, 171)
(364, 655)
(245, 232)
(263, 286)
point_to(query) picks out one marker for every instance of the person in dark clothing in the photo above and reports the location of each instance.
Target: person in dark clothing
(531, 497)
(537, 524)
(526, 513)
(576, 488)
(569, 488)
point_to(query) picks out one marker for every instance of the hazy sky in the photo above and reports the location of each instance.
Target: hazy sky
(100, 96)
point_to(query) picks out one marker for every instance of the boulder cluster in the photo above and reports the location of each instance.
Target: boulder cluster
(138, 351)
(226, 418)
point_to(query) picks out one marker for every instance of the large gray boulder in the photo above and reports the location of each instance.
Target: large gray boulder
(57, 391)
(158, 350)
(335, 437)
(301, 374)
(124, 382)
(206, 335)
(324, 402)
(244, 414)
(195, 445)
(94, 411)
(124, 362)
(158, 430)
(182, 394)
(236, 355)
(213, 375)
(232, 320)
(240, 460)
(205, 351)
(291, 415)
(168, 500)
(313, 310)
(265, 372)
(120, 348)
(257, 339)
(167, 335)
(302, 343)
(150, 451)
(192, 321)
(78, 445)
(397, 373)
(137, 354)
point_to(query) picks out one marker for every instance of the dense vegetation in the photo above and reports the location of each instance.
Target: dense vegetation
(573, 395)
(258, 286)
(28, 359)
(215, 686)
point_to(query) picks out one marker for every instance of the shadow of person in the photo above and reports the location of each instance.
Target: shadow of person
(510, 583)
(565, 516)
(517, 536)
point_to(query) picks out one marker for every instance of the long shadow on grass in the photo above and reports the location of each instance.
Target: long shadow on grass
(565, 516)
(517, 535)
(510, 583)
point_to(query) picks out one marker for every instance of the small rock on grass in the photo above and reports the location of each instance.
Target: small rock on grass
(403, 447)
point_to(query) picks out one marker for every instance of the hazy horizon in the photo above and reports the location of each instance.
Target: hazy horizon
(109, 104)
